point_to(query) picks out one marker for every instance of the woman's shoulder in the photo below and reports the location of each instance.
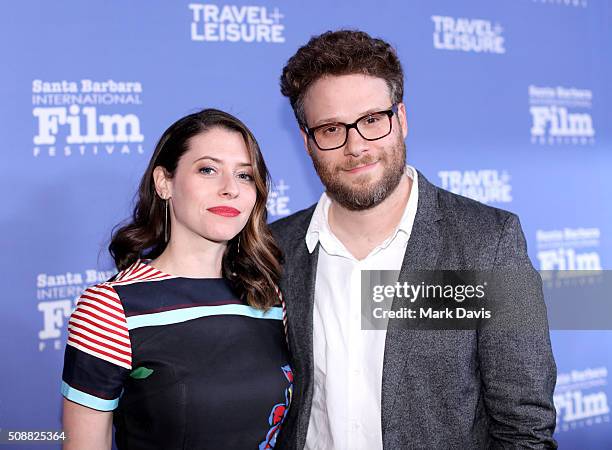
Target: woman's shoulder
(107, 294)
(101, 302)
(138, 271)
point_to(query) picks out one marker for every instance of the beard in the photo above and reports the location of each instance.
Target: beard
(362, 193)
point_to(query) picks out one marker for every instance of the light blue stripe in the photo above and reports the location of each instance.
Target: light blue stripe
(88, 400)
(185, 314)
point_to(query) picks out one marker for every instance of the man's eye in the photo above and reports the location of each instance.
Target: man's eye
(372, 119)
(331, 129)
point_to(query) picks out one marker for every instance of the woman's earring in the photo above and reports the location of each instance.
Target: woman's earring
(237, 253)
(166, 222)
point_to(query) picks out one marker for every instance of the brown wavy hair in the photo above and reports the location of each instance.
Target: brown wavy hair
(254, 271)
(342, 52)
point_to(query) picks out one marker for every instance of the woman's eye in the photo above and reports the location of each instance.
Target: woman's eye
(207, 170)
(245, 177)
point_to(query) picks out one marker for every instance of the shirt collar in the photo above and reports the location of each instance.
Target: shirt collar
(319, 225)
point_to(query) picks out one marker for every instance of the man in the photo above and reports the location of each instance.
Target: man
(395, 388)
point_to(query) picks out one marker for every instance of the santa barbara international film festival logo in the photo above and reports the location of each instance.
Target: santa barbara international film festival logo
(581, 400)
(561, 115)
(569, 249)
(485, 185)
(467, 35)
(86, 117)
(233, 23)
(56, 295)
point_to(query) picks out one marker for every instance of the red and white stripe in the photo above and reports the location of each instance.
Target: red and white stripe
(284, 306)
(98, 326)
(138, 272)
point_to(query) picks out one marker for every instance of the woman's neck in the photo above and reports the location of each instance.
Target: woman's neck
(184, 259)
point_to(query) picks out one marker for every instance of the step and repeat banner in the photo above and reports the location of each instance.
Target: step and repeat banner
(509, 102)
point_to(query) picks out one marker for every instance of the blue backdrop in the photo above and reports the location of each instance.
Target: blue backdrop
(509, 102)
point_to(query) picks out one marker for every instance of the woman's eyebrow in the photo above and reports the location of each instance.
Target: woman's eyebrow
(217, 160)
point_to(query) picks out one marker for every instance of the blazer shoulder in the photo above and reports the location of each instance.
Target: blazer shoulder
(292, 226)
(483, 236)
(471, 215)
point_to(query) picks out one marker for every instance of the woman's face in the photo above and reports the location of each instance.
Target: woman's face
(212, 191)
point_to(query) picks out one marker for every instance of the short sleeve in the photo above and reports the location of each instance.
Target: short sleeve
(98, 356)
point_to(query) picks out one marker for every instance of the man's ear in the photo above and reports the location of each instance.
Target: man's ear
(163, 182)
(305, 139)
(401, 117)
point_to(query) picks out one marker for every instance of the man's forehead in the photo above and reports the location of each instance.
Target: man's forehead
(342, 97)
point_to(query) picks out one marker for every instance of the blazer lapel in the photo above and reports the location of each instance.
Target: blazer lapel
(298, 286)
(421, 254)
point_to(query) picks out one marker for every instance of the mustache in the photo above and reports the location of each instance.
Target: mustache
(351, 164)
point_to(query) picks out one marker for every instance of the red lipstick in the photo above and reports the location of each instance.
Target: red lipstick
(225, 211)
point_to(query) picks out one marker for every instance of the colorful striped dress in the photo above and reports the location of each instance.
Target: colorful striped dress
(183, 362)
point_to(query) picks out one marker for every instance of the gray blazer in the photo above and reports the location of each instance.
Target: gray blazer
(441, 389)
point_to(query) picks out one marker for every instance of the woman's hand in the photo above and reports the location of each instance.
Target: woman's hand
(86, 428)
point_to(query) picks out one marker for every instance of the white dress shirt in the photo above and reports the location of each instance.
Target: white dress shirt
(348, 361)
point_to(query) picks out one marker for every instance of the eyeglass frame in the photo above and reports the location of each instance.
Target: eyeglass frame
(347, 126)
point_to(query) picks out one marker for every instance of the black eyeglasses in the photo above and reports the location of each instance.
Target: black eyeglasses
(372, 126)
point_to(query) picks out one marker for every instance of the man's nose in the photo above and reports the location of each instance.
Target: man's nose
(355, 143)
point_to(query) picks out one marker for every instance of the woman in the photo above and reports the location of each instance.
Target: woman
(185, 346)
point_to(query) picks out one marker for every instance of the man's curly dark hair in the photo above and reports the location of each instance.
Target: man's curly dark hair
(341, 52)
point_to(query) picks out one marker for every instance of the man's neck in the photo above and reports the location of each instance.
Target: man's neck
(362, 231)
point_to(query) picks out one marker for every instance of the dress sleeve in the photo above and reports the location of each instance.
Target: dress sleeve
(98, 355)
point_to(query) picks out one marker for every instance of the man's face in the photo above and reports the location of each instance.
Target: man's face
(362, 173)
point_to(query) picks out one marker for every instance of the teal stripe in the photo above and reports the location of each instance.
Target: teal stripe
(88, 400)
(185, 314)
